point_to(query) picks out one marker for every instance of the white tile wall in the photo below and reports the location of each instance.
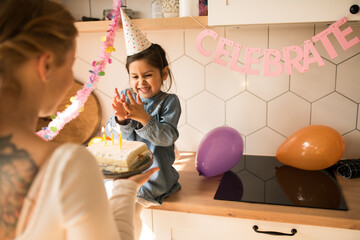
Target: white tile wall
(172, 41)
(248, 36)
(288, 113)
(264, 110)
(352, 149)
(316, 83)
(205, 112)
(269, 87)
(335, 110)
(346, 74)
(245, 117)
(232, 83)
(263, 142)
(188, 72)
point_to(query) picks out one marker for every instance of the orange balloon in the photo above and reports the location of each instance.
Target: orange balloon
(314, 147)
(97, 139)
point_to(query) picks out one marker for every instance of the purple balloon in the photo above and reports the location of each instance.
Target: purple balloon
(219, 151)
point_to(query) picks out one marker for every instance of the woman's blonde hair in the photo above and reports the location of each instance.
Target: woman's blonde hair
(29, 28)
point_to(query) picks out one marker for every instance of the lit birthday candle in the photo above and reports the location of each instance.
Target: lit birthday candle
(120, 136)
(104, 136)
(112, 134)
(120, 139)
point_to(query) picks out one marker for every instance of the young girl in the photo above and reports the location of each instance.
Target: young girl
(146, 113)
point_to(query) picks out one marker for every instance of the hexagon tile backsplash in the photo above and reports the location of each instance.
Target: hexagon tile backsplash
(265, 110)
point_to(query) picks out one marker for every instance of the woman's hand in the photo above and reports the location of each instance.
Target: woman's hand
(118, 105)
(143, 177)
(135, 109)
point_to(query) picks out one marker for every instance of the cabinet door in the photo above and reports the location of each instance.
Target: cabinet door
(185, 226)
(147, 225)
(236, 12)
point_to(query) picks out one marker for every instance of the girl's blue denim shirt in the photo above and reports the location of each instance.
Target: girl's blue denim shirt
(159, 134)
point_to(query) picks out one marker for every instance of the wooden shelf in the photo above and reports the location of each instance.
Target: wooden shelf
(150, 24)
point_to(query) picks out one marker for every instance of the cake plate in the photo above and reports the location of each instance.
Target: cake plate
(145, 164)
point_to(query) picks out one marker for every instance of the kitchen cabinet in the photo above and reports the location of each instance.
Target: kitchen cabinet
(185, 226)
(235, 12)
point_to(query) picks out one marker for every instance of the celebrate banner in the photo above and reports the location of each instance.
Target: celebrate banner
(294, 56)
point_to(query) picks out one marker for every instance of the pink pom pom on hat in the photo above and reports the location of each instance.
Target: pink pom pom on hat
(135, 40)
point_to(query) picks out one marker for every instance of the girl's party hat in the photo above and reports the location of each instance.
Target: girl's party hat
(135, 40)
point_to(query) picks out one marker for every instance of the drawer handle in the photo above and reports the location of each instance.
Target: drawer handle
(293, 232)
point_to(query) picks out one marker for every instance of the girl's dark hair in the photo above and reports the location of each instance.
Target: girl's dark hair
(156, 57)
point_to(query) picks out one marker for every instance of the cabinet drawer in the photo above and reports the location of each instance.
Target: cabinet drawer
(184, 226)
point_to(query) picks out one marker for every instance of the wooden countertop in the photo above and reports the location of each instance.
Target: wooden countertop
(197, 196)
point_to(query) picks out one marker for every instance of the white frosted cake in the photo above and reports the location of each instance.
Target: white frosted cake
(112, 158)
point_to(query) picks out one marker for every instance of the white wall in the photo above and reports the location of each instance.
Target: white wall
(264, 110)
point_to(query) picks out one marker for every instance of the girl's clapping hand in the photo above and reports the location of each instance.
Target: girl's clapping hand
(118, 105)
(135, 109)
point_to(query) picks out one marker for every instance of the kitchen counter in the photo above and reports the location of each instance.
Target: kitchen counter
(197, 196)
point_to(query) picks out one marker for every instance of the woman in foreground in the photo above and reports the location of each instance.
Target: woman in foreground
(49, 190)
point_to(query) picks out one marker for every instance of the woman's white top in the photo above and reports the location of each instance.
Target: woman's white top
(71, 201)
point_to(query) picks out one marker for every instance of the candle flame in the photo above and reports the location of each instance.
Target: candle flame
(104, 137)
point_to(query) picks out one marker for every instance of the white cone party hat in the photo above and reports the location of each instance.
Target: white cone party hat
(135, 40)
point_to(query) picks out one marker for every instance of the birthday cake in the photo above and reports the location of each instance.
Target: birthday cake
(112, 158)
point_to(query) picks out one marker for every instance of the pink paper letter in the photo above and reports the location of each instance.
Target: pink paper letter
(234, 59)
(199, 39)
(293, 62)
(249, 60)
(340, 35)
(326, 43)
(220, 50)
(309, 47)
(276, 62)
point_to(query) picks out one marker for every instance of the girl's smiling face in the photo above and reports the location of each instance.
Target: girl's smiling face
(145, 79)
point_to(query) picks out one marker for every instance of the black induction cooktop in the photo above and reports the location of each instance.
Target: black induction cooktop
(263, 179)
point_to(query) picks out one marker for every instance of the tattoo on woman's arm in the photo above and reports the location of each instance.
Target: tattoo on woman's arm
(17, 172)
